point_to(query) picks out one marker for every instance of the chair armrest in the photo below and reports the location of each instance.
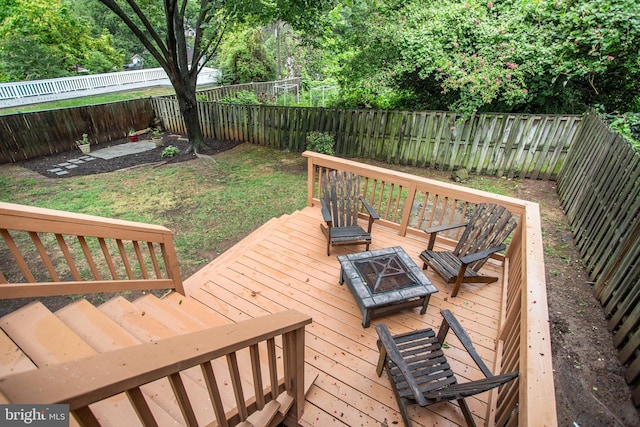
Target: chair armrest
(433, 232)
(457, 329)
(372, 212)
(468, 259)
(471, 388)
(326, 214)
(392, 353)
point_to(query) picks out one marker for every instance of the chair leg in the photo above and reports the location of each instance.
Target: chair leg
(459, 280)
(467, 413)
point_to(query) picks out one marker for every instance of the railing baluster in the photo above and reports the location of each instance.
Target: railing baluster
(89, 257)
(183, 399)
(107, 258)
(273, 367)
(214, 394)
(154, 260)
(67, 255)
(11, 244)
(143, 269)
(232, 361)
(44, 256)
(86, 417)
(125, 259)
(141, 407)
(257, 375)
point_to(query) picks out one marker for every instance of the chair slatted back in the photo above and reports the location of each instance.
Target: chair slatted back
(488, 227)
(341, 193)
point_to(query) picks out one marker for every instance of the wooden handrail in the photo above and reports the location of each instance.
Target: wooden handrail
(60, 253)
(410, 204)
(78, 383)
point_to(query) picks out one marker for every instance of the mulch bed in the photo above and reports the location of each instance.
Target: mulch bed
(43, 164)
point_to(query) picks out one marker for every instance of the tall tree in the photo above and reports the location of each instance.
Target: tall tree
(43, 39)
(209, 20)
(553, 56)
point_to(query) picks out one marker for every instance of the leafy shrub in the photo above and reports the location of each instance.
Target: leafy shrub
(244, 97)
(320, 142)
(170, 151)
(628, 125)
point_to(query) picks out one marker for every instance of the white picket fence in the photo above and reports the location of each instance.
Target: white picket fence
(34, 91)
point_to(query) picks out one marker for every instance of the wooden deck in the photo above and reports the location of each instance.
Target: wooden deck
(283, 265)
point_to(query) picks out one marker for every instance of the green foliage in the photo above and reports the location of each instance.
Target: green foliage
(43, 39)
(518, 55)
(170, 151)
(628, 125)
(320, 142)
(84, 140)
(243, 59)
(245, 97)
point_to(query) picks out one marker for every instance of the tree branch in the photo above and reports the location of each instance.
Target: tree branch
(157, 50)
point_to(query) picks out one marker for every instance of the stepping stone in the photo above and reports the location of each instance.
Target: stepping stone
(64, 164)
(54, 170)
(71, 166)
(77, 161)
(62, 172)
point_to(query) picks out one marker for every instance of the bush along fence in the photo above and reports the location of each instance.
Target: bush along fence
(599, 188)
(31, 135)
(511, 145)
(261, 89)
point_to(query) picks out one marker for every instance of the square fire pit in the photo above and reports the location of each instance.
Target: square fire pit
(385, 280)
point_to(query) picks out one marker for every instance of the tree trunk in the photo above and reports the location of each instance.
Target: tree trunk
(186, 94)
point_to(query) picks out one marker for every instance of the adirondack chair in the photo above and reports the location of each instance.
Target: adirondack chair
(340, 205)
(419, 372)
(488, 227)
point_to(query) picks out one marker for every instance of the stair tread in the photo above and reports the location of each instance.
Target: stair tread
(95, 327)
(172, 317)
(147, 328)
(195, 309)
(134, 320)
(46, 340)
(12, 359)
(43, 336)
(104, 335)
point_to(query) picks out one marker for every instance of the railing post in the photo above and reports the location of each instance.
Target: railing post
(293, 351)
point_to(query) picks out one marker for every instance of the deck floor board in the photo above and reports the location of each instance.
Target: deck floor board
(285, 266)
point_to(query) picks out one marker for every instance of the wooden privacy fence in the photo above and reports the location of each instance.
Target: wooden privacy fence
(31, 135)
(511, 145)
(599, 188)
(270, 88)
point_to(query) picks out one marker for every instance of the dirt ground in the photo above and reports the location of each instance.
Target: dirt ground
(590, 389)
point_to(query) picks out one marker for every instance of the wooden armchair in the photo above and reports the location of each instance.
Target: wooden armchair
(419, 372)
(488, 227)
(340, 205)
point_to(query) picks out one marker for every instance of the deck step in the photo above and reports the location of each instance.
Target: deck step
(178, 321)
(195, 309)
(103, 334)
(12, 358)
(150, 318)
(46, 340)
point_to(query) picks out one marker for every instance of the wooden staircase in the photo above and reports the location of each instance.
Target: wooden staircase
(33, 338)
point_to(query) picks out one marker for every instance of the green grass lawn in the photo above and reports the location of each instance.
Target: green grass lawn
(209, 206)
(89, 100)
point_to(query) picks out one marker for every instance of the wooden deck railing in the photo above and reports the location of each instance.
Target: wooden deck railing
(62, 253)
(215, 351)
(409, 204)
